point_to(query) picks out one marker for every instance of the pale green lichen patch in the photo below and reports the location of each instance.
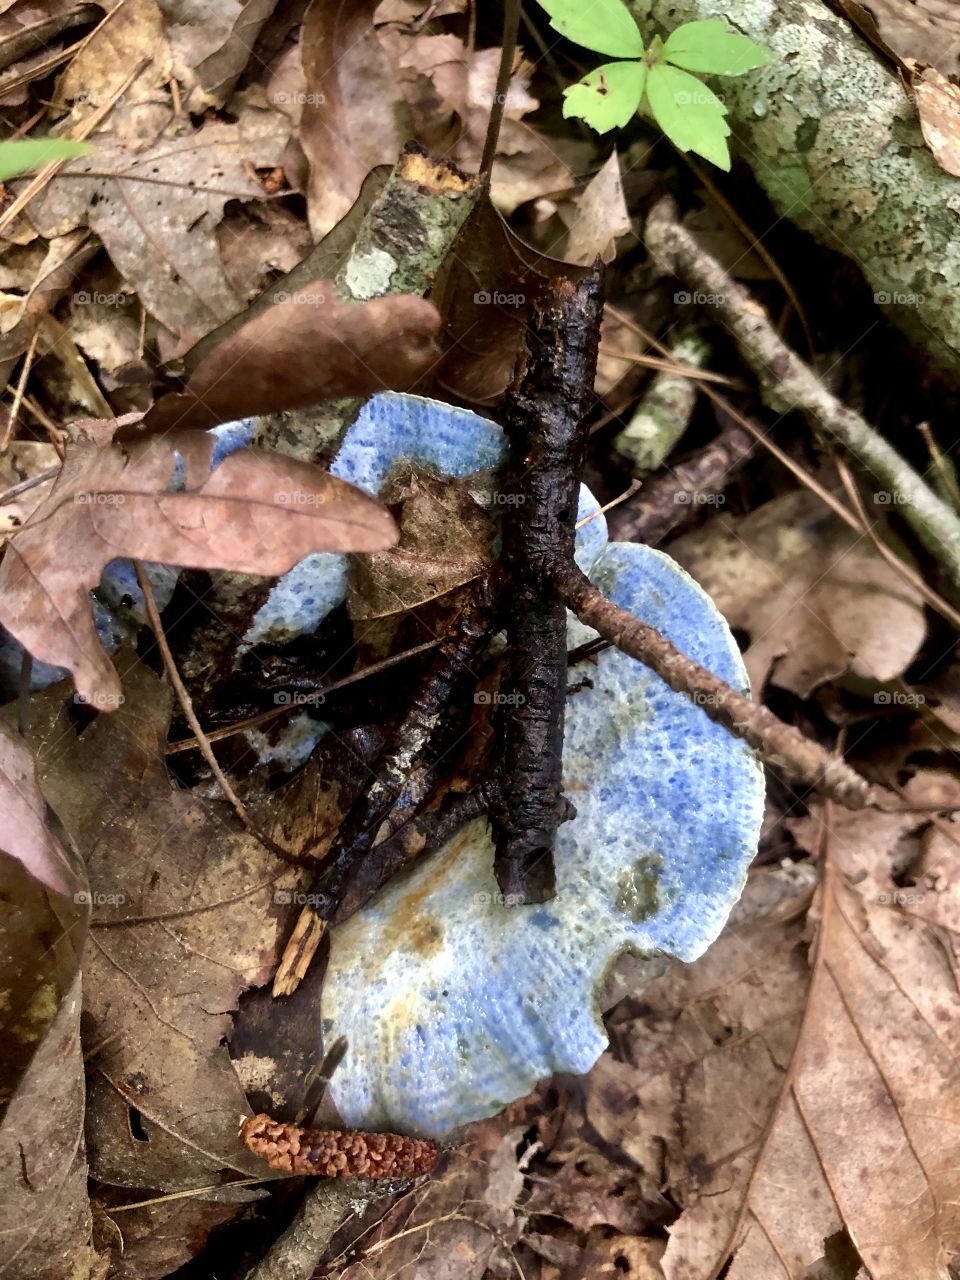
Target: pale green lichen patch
(369, 275)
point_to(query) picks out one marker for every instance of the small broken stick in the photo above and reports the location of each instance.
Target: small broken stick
(332, 1153)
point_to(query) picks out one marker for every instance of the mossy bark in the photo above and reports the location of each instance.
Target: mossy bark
(833, 138)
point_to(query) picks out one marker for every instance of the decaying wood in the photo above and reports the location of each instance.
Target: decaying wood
(788, 383)
(833, 137)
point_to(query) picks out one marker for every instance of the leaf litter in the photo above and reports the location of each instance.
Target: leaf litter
(785, 1105)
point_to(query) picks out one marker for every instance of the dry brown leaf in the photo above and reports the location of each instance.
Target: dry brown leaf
(526, 166)
(805, 1119)
(25, 833)
(23, 460)
(817, 599)
(212, 43)
(159, 1238)
(353, 117)
(163, 1097)
(925, 30)
(938, 105)
(255, 513)
(460, 1226)
(485, 293)
(258, 243)
(445, 541)
(133, 38)
(44, 1210)
(310, 346)
(158, 208)
(601, 216)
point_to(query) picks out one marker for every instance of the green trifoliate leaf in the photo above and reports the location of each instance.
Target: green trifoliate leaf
(689, 113)
(606, 26)
(708, 46)
(607, 97)
(20, 155)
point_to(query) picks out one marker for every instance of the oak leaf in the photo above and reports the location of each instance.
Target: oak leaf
(817, 599)
(255, 513)
(308, 346)
(815, 1087)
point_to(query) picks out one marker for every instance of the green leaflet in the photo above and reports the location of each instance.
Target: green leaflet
(708, 46)
(20, 155)
(608, 96)
(690, 114)
(606, 26)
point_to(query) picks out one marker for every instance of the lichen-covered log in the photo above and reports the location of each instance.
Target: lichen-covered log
(833, 138)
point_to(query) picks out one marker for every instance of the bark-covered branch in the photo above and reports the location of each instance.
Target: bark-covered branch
(788, 383)
(544, 419)
(780, 743)
(832, 136)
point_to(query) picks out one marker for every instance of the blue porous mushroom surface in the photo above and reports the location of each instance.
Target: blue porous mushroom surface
(392, 427)
(454, 1003)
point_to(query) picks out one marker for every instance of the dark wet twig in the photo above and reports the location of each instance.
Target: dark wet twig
(544, 417)
(511, 26)
(666, 502)
(405, 769)
(418, 837)
(318, 1079)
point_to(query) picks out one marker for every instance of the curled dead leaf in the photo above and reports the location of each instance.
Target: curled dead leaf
(310, 346)
(817, 599)
(25, 833)
(938, 106)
